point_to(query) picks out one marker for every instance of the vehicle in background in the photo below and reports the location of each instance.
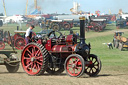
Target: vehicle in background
(121, 22)
(65, 24)
(120, 41)
(96, 24)
(1, 23)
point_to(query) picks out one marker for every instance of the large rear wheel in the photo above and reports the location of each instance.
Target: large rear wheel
(2, 45)
(94, 68)
(67, 26)
(34, 59)
(74, 65)
(56, 27)
(97, 28)
(17, 35)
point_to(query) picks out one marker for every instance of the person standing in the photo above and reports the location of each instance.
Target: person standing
(28, 34)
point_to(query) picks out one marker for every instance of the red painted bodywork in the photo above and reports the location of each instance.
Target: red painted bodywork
(39, 41)
(48, 45)
(69, 39)
(90, 27)
(127, 23)
(71, 23)
(63, 48)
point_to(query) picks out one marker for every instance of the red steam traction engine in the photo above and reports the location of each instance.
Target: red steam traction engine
(56, 53)
(19, 39)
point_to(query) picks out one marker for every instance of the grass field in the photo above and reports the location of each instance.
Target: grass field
(114, 62)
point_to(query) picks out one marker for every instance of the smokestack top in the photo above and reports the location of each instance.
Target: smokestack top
(82, 18)
(82, 30)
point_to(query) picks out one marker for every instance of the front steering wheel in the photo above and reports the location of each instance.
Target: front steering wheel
(54, 34)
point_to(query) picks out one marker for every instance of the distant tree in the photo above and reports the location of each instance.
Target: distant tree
(1, 14)
(126, 13)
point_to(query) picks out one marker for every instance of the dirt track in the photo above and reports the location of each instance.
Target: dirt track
(106, 77)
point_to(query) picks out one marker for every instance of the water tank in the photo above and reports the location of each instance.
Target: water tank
(74, 17)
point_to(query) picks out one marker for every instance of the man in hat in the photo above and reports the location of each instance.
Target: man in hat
(28, 34)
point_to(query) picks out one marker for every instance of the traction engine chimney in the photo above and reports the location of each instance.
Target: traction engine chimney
(82, 30)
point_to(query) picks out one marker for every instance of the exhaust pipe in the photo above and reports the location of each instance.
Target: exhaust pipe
(82, 30)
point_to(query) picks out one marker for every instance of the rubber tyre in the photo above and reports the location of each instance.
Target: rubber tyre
(67, 26)
(120, 46)
(96, 28)
(116, 43)
(12, 69)
(56, 27)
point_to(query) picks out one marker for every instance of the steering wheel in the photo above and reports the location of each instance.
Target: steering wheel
(54, 34)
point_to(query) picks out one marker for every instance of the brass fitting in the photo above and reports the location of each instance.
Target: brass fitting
(82, 18)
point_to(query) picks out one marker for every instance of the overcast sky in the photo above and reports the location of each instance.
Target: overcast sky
(63, 6)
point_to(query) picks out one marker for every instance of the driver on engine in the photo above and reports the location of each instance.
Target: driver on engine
(28, 34)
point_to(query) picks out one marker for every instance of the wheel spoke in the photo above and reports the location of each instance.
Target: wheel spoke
(71, 61)
(73, 71)
(79, 71)
(90, 70)
(68, 67)
(32, 51)
(31, 65)
(26, 58)
(96, 64)
(34, 66)
(38, 67)
(77, 61)
(95, 61)
(28, 65)
(87, 68)
(29, 51)
(95, 68)
(74, 60)
(39, 57)
(92, 59)
(29, 55)
(79, 68)
(37, 52)
(39, 63)
(53, 69)
(28, 61)
(41, 60)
